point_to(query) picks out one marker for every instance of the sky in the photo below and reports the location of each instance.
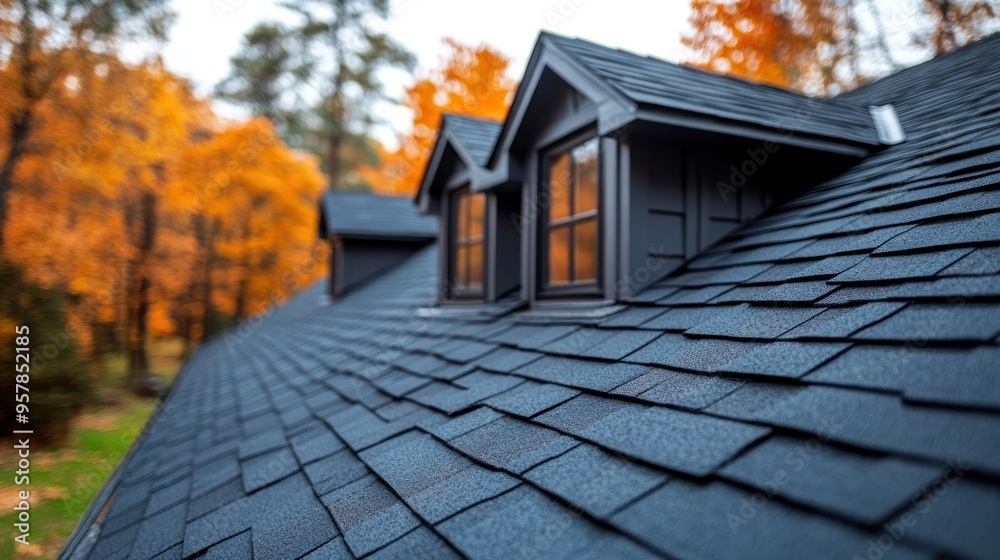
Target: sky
(208, 32)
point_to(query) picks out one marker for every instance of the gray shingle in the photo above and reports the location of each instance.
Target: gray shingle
(369, 515)
(683, 318)
(849, 243)
(532, 336)
(715, 520)
(363, 214)
(632, 317)
(266, 469)
(704, 355)
(938, 322)
(233, 548)
(957, 515)
(830, 266)
(841, 322)
(581, 373)
(522, 523)
(419, 543)
(873, 421)
(755, 322)
(985, 260)
(690, 443)
(945, 376)
(530, 398)
(899, 267)
(506, 360)
(785, 359)
(690, 390)
(645, 382)
(695, 295)
(512, 445)
(335, 471)
(577, 414)
(966, 231)
(316, 444)
(465, 391)
(949, 288)
(594, 480)
(811, 472)
(619, 345)
(433, 480)
(577, 341)
(464, 423)
(336, 549)
(160, 532)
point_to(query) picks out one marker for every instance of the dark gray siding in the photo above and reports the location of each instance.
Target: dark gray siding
(362, 259)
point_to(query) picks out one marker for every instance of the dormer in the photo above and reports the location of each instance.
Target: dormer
(626, 166)
(480, 246)
(369, 234)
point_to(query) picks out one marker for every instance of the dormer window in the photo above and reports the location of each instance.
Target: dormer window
(570, 233)
(469, 210)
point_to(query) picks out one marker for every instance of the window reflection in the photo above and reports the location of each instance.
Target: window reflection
(469, 225)
(572, 228)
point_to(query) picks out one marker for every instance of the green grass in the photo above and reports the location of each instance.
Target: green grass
(64, 479)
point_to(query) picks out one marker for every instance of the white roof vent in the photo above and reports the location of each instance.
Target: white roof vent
(887, 124)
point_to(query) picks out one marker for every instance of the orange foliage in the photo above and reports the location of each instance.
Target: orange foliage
(770, 42)
(110, 137)
(825, 46)
(473, 81)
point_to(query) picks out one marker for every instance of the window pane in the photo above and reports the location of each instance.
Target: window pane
(585, 160)
(462, 266)
(477, 208)
(559, 185)
(559, 255)
(462, 218)
(585, 251)
(476, 265)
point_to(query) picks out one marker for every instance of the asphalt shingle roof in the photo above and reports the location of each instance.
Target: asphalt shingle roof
(796, 408)
(476, 136)
(654, 82)
(357, 214)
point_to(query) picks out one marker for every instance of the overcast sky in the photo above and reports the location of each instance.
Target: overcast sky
(208, 32)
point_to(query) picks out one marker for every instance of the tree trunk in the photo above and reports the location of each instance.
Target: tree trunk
(138, 361)
(18, 141)
(206, 234)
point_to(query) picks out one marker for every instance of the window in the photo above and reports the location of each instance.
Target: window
(467, 248)
(570, 233)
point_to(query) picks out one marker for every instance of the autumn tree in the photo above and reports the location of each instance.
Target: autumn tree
(956, 22)
(256, 202)
(826, 46)
(472, 81)
(40, 41)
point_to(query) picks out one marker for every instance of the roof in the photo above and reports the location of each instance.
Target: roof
(356, 214)
(476, 136)
(650, 83)
(821, 382)
(464, 139)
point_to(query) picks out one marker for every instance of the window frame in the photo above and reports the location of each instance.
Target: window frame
(455, 291)
(547, 158)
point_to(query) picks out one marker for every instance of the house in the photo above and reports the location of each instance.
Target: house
(668, 314)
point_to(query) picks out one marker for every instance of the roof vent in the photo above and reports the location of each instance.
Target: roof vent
(887, 124)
